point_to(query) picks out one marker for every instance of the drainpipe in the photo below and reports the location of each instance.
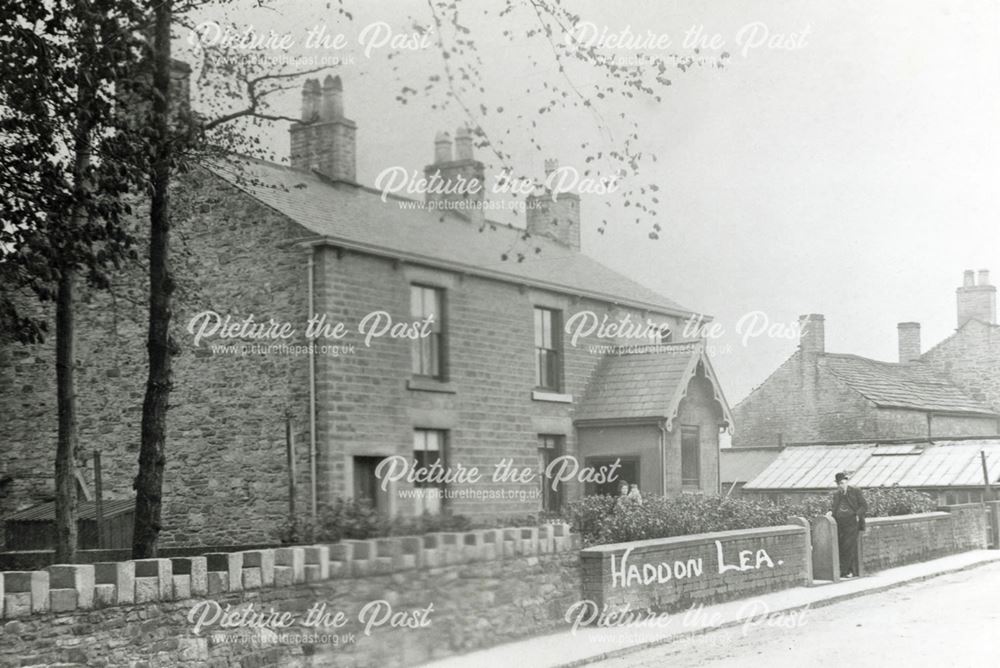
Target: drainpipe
(312, 389)
(718, 459)
(663, 456)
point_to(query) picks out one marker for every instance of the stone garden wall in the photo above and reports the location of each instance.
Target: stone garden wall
(670, 574)
(904, 539)
(385, 602)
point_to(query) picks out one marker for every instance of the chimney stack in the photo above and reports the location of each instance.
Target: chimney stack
(909, 341)
(456, 183)
(812, 334)
(324, 140)
(977, 299)
(555, 217)
(134, 95)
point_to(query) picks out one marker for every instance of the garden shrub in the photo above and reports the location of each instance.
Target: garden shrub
(353, 519)
(602, 519)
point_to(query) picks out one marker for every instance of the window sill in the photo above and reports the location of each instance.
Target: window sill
(430, 385)
(555, 397)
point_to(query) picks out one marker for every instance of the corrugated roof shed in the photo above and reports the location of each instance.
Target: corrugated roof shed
(743, 464)
(86, 510)
(942, 463)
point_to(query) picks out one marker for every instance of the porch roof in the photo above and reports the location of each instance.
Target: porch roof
(648, 384)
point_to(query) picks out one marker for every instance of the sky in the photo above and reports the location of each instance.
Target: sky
(849, 169)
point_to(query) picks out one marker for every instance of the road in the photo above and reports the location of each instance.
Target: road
(952, 620)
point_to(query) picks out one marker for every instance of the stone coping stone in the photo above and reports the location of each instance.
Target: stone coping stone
(693, 539)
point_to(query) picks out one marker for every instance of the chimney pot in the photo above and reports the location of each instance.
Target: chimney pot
(462, 175)
(310, 100)
(812, 333)
(984, 277)
(463, 144)
(551, 165)
(333, 98)
(442, 147)
(909, 341)
(969, 279)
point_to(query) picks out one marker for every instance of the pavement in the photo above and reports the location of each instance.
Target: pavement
(586, 645)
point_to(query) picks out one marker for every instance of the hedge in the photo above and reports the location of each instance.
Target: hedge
(357, 520)
(603, 519)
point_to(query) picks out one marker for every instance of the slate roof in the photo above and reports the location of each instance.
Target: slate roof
(914, 385)
(355, 217)
(939, 463)
(646, 385)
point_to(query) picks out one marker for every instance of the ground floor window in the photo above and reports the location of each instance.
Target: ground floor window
(960, 496)
(429, 449)
(690, 456)
(549, 448)
(627, 471)
(366, 484)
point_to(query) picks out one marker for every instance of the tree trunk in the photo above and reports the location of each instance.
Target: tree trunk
(149, 481)
(65, 481)
(65, 469)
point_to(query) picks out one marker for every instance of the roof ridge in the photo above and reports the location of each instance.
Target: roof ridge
(370, 225)
(896, 385)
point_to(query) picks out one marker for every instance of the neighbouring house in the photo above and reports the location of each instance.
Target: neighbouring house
(951, 470)
(821, 396)
(970, 356)
(430, 347)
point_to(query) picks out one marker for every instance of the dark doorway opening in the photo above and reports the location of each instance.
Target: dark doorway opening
(366, 483)
(627, 471)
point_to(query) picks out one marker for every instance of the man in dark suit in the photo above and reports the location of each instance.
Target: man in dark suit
(849, 509)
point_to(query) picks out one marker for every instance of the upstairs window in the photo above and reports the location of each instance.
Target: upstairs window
(428, 351)
(548, 368)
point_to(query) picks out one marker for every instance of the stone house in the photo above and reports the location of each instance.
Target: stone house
(372, 327)
(970, 356)
(816, 396)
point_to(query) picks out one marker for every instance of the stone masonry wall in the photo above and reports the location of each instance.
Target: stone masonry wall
(225, 456)
(971, 358)
(698, 408)
(226, 473)
(802, 403)
(670, 574)
(403, 601)
(904, 539)
(797, 403)
(370, 404)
